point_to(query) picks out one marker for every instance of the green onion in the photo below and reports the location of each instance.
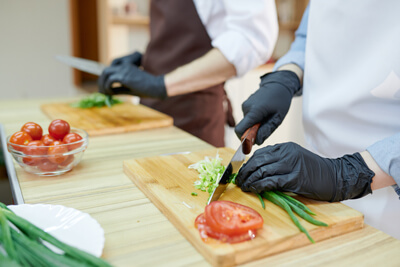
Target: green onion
(7, 241)
(210, 171)
(194, 194)
(31, 251)
(96, 100)
(295, 202)
(279, 201)
(261, 200)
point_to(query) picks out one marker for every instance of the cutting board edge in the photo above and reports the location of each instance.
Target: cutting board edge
(164, 120)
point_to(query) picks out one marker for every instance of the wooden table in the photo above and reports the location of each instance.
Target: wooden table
(137, 233)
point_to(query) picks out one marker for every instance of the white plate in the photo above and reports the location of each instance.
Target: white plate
(69, 225)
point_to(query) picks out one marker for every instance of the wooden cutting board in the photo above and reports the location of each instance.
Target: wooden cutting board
(168, 183)
(119, 118)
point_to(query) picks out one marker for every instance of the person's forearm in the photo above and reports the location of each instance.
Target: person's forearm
(211, 69)
(381, 178)
(296, 69)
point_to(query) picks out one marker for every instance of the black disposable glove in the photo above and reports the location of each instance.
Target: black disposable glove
(291, 168)
(269, 104)
(133, 80)
(132, 59)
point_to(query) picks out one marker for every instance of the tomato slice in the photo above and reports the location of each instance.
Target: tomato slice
(206, 232)
(231, 218)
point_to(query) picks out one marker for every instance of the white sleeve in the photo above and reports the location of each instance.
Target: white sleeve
(250, 33)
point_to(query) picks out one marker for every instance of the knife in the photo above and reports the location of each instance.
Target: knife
(85, 65)
(247, 141)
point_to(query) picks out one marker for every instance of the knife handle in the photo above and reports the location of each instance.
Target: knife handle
(248, 142)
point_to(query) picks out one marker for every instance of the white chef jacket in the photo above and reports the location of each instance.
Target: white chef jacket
(351, 92)
(244, 31)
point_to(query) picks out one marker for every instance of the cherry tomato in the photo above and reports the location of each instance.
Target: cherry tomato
(56, 151)
(34, 148)
(58, 129)
(206, 232)
(33, 129)
(69, 160)
(230, 218)
(20, 138)
(47, 166)
(47, 139)
(72, 138)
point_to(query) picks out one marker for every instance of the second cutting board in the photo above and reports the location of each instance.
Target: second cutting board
(168, 183)
(120, 118)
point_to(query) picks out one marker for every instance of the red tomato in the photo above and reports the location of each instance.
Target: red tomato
(33, 129)
(20, 138)
(47, 166)
(56, 151)
(230, 218)
(69, 160)
(58, 129)
(47, 139)
(34, 148)
(72, 138)
(206, 232)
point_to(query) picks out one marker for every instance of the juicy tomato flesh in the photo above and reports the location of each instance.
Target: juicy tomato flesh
(231, 218)
(206, 232)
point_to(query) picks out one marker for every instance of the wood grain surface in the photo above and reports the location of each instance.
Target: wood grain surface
(119, 118)
(168, 182)
(137, 233)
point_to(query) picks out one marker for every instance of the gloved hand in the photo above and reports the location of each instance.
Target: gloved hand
(291, 168)
(133, 81)
(132, 59)
(269, 104)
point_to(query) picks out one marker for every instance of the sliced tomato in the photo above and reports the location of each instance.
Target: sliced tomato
(231, 218)
(206, 232)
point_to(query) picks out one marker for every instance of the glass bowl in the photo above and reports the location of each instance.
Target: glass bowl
(62, 159)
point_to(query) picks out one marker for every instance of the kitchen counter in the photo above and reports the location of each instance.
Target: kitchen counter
(136, 232)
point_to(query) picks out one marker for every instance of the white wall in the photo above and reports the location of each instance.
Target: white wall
(32, 32)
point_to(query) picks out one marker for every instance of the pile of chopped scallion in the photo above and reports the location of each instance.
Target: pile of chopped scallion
(21, 244)
(96, 100)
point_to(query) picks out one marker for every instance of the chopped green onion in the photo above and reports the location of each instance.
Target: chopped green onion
(194, 194)
(96, 100)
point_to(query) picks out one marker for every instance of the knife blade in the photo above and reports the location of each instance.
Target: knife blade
(247, 141)
(86, 65)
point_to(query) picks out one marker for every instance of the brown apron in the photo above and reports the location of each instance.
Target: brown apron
(177, 37)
